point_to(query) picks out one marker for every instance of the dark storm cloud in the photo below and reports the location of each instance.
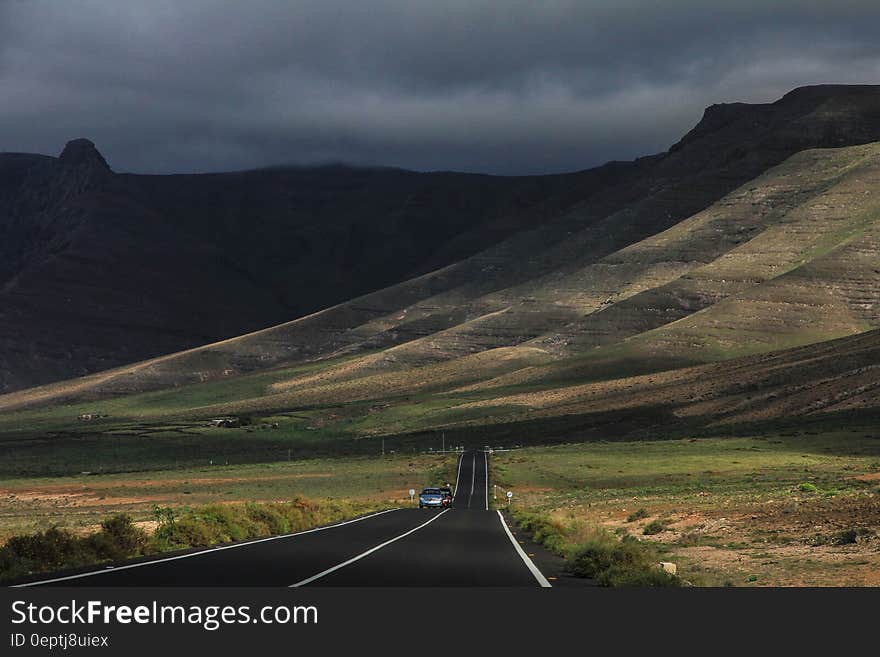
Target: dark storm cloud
(513, 86)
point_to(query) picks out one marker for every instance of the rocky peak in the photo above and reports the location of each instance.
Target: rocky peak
(82, 152)
(820, 116)
(818, 93)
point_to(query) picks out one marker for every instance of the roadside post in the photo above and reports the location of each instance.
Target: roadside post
(412, 495)
(509, 497)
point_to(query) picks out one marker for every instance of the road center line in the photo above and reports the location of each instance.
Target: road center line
(212, 550)
(529, 563)
(473, 475)
(311, 579)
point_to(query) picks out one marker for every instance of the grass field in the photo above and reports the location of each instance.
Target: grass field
(79, 503)
(783, 510)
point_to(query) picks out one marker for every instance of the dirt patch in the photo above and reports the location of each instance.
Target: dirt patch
(788, 541)
(226, 480)
(148, 526)
(787, 565)
(88, 498)
(522, 490)
(107, 492)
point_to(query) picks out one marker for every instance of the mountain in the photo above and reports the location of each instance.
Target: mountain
(734, 278)
(99, 269)
(102, 269)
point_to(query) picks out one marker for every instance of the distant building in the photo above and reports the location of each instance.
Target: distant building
(225, 422)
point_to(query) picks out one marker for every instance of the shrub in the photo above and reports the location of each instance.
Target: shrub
(269, 518)
(846, 537)
(807, 487)
(544, 530)
(602, 557)
(52, 549)
(118, 539)
(228, 522)
(619, 563)
(56, 549)
(206, 526)
(656, 526)
(637, 515)
(164, 515)
(850, 536)
(648, 575)
(598, 555)
(186, 532)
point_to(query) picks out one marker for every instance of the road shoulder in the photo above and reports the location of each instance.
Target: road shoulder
(549, 563)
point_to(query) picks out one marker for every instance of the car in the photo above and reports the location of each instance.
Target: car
(431, 498)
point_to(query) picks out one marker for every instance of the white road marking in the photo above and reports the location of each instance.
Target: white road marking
(311, 579)
(200, 552)
(473, 475)
(458, 476)
(486, 463)
(529, 563)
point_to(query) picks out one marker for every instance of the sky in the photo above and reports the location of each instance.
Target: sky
(505, 87)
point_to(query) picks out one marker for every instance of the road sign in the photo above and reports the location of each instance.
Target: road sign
(411, 494)
(509, 494)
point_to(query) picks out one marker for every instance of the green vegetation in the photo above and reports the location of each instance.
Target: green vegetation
(637, 515)
(78, 503)
(215, 524)
(686, 468)
(721, 509)
(56, 549)
(656, 526)
(544, 530)
(624, 562)
(50, 523)
(601, 556)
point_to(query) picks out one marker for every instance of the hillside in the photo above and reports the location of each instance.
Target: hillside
(667, 304)
(107, 269)
(99, 269)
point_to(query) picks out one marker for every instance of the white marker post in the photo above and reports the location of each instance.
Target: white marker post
(509, 496)
(412, 495)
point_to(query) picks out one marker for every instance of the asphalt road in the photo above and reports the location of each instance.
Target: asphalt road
(466, 545)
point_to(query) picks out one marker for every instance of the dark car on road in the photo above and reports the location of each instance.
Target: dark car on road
(431, 498)
(447, 496)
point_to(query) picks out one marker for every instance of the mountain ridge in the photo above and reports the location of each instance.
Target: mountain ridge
(608, 209)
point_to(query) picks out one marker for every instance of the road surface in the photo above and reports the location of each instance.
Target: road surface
(467, 545)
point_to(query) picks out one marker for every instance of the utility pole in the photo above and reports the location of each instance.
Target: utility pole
(444, 441)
